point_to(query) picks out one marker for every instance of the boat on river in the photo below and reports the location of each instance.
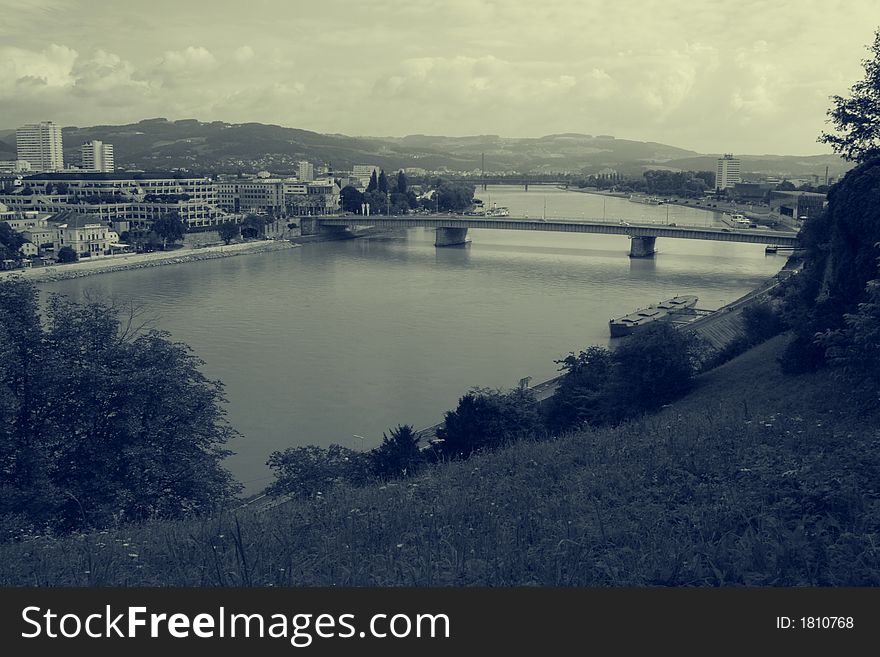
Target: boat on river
(665, 310)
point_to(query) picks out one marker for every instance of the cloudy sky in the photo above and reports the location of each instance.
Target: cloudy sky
(752, 76)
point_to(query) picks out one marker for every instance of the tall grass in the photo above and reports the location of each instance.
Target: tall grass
(753, 479)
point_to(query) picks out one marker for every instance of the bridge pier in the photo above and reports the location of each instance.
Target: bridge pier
(450, 236)
(641, 247)
(313, 226)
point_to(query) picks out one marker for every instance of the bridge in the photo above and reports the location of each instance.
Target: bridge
(452, 229)
(525, 181)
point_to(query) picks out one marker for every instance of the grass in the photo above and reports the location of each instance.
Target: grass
(755, 478)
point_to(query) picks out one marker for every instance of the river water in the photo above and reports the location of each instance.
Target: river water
(340, 341)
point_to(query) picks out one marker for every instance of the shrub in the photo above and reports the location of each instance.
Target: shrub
(311, 470)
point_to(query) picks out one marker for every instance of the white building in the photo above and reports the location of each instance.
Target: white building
(40, 144)
(85, 234)
(363, 172)
(97, 156)
(138, 198)
(305, 171)
(727, 172)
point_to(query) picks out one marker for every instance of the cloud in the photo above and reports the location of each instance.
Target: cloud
(179, 67)
(243, 54)
(51, 67)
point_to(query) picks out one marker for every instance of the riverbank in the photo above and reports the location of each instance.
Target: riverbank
(128, 261)
(715, 490)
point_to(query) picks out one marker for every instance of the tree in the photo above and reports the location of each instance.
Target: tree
(453, 196)
(373, 185)
(488, 418)
(383, 182)
(101, 421)
(584, 392)
(786, 186)
(311, 470)
(66, 254)
(10, 241)
(228, 231)
(856, 346)
(401, 182)
(653, 366)
(170, 228)
(253, 226)
(351, 198)
(398, 455)
(856, 119)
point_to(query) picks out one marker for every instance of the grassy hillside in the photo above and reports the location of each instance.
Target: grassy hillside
(753, 479)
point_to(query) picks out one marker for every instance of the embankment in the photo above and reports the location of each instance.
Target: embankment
(109, 264)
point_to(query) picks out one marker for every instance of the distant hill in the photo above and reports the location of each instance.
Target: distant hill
(160, 144)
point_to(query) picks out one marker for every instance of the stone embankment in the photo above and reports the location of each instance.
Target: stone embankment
(108, 264)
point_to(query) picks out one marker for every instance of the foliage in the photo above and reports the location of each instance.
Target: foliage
(10, 241)
(398, 455)
(856, 346)
(66, 254)
(453, 196)
(228, 231)
(377, 201)
(583, 394)
(761, 322)
(170, 227)
(650, 368)
(352, 198)
(748, 481)
(654, 366)
(373, 185)
(674, 183)
(383, 182)
(488, 418)
(310, 471)
(401, 182)
(102, 422)
(856, 119)
(839, 260)
(253, 226)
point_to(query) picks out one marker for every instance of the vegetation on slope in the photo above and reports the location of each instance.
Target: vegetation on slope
(756, 478)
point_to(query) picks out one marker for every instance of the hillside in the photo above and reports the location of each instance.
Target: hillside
(160, 144)
(775, 484)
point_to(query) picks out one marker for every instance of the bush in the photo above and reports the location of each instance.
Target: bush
(653, 367)
(67, 254)
(488, 418)
(311, 470)
(399, 454)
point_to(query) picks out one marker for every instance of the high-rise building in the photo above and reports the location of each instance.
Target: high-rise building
(98, 156)
(41, 145)
(727, 172)
(305, 171)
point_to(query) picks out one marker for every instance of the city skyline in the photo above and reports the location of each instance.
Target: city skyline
(755, 78)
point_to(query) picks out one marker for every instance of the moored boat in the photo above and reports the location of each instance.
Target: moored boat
(664, 310)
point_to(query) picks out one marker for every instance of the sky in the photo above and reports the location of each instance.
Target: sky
(745, 77)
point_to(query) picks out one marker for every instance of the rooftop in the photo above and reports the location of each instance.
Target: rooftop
(116, 175)
(75, 220)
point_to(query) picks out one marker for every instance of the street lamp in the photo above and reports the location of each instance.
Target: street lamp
(354, 435)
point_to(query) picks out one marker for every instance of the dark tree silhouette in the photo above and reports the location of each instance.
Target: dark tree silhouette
(856, 119)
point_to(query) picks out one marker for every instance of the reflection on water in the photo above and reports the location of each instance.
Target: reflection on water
(330, 341)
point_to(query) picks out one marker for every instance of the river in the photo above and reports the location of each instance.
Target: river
(340, 341)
